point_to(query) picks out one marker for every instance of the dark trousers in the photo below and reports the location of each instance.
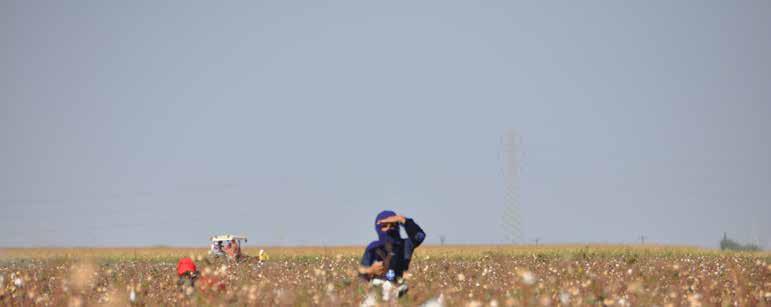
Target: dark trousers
(185, 278)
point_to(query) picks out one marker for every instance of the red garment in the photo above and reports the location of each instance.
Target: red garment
(185, 265)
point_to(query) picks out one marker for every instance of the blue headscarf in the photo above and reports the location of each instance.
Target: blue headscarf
(392, 236)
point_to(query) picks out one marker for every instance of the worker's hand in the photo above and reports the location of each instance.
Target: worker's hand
(377, 268)
(392, 219)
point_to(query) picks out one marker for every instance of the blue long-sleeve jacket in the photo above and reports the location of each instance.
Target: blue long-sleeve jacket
(401, 252)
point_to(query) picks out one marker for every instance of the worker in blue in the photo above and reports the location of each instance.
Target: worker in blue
(387, 258)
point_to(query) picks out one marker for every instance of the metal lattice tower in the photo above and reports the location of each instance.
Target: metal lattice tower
(512, 223)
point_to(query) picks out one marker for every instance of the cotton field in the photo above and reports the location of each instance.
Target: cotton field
(438, 276)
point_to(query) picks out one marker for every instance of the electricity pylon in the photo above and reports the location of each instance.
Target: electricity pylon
(512, 223)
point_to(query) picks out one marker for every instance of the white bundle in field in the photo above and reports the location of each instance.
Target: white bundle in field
(263, 256)
(369, 301)
(388, 291)
(435, 302)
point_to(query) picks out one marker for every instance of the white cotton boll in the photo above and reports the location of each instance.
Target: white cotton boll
(387, 286)
(528, 278)
(222, 270)
(474, 304)
(132, 296)
(18, 282)
(435, 302)
(565, 298)
(369, 301)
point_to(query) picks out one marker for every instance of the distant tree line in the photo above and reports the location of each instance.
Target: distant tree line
(728, 244)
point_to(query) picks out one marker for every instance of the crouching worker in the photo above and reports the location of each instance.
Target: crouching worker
(385, 260)
(187, 272)
(233, 250)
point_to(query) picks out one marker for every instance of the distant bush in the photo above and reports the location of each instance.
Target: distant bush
(728, 244)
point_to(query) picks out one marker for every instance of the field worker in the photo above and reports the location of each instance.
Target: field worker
(389, 257)
(229, 249)
(235, 249)
(187, 271)
(216, 248)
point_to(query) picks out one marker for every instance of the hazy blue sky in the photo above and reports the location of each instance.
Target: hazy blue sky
(139, 122)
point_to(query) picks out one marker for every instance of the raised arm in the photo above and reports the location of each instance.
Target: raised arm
(414, 232)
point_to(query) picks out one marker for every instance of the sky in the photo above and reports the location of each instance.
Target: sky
(295, 122)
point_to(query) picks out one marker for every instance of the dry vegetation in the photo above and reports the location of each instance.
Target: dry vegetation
(460, 275)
